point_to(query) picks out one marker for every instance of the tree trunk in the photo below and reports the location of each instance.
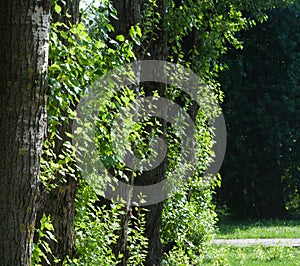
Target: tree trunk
(59, 202)
(24, 28)
(129, 14)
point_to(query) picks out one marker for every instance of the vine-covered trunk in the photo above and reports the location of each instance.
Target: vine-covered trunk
(24, 28)
(130, 14)
(58, 203)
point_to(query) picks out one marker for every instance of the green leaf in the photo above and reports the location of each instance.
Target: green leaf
(120, 38)
(54, 67)
(57, 9)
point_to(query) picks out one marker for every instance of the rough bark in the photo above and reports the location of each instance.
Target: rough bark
(24, 27)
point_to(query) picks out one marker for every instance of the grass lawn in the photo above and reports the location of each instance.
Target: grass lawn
(226, 255)
(258, 229)
(252, 256)
(257, 255)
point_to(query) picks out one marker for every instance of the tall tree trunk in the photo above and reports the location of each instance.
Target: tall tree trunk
(59, 202)
(129, 13)
(24, 28)
(157, 51)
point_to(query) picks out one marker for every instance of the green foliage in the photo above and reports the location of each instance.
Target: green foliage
(97, 231)
(41, 250)
(199, 32)
(79, 54)
(215, 24)
(178, 256)
(77, 58)
(69, 72)
(54, 165)
(189, 221)
(137, 242)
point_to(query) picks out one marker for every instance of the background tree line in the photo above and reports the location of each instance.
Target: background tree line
(261, 168)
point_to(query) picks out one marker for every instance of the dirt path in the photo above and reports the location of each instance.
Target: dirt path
(291, 242)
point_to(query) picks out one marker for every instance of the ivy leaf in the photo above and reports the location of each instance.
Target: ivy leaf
(57, 9)
(120, 38)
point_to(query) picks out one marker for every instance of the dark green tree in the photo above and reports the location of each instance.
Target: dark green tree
(262, 88)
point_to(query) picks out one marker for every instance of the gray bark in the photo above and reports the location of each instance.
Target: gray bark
(24, 27)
